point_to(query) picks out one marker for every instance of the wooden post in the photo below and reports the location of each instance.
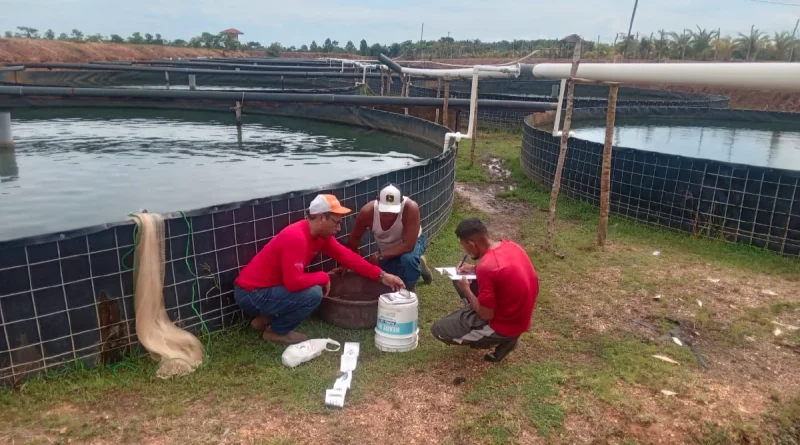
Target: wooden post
(383, 80)
(438, 95)
(445, 114)
(605, 175)
(551, 217)
(238, 109)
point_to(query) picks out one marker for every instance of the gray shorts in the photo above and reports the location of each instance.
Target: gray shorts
(466, 327)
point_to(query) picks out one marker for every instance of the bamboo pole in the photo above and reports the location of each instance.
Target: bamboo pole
(605, 175)
(445, 114)
(551, 217)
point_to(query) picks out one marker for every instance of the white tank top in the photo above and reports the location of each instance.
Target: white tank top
(394, 235)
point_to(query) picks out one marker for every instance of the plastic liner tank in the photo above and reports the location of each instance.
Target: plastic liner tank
(732, 175)
(68, 296)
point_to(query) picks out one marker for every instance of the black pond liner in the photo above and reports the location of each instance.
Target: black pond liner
(105, 79)
(738, 203)
(65, 297)
(586, 96)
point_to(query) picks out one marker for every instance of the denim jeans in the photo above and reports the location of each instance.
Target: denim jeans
(287, 309)
(407, 265)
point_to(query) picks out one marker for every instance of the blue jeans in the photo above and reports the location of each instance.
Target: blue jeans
(287, 309)
(407, 265)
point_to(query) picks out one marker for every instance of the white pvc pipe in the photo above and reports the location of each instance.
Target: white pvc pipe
(765, 76)
(6, 138)
(486, 72)
(473, 103)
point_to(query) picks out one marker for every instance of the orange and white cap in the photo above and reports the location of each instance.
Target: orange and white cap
(326, 203)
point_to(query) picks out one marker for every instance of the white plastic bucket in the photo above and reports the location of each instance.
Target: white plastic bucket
(396, 329)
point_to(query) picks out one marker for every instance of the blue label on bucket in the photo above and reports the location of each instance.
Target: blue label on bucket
(389, 327)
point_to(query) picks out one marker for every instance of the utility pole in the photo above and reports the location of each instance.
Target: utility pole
(421, 32)
(794, 34)
(630, 28)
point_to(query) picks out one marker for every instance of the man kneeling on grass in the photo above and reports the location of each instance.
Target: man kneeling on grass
(274, 286)
(506, 288)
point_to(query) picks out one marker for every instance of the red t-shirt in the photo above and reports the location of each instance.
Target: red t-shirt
(285, 257)
(507, 283)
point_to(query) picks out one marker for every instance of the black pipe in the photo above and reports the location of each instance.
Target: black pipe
(390, 63)
(273, 97)
(238, 65)
(99, 67)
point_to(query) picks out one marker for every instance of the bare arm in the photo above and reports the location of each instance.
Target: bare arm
(486, 313)
(411, 221)
(363, 219)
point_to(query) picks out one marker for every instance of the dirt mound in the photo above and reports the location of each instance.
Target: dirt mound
(40, 50)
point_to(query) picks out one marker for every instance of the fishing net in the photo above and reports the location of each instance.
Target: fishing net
(178, 351)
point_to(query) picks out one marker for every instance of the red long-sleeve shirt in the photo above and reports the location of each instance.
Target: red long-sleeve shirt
(285, 257)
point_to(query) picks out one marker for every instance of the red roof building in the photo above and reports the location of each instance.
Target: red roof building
(233, 33)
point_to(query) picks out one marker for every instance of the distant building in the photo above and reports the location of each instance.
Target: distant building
(233, 33)
(567, 45)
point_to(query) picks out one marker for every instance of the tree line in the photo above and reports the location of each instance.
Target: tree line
(688, 44)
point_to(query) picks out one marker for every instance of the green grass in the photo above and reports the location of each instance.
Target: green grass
(534, 393)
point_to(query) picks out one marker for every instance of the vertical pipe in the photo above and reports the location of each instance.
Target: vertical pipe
(473, 102)
(6, 138)
(551, 217)
(557, 122)
(192, 82)
(605, 174)
(445, 106)
(473, 116)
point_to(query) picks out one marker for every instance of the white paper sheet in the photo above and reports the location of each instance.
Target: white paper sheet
(348, 363)
(335, 397)
(451, 273)
(351, 349)
(343, 382)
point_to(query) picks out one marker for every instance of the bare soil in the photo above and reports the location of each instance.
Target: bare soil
(40, 50)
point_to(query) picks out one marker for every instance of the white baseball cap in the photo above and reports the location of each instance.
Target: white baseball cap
(390, 199)
(325, 204)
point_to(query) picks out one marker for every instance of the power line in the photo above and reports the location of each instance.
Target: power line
(775, 3)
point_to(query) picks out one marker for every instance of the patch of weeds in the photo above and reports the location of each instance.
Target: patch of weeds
(734, 433)
(632, 361)
(529, 389)
(496, 426)
(787, 418)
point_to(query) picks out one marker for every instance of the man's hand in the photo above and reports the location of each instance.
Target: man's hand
(373, 259)
(393, 281)
(327, 289)
(464, 285)
(341, 270)
(466, 269)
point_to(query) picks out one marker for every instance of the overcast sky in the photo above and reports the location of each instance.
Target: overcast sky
(298, 22)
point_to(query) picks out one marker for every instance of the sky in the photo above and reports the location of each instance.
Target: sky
(298, 22)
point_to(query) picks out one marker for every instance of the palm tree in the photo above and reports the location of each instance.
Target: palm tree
(702, 40)
(681, 41)
(752, 44)
(783, 43)
(724, 48)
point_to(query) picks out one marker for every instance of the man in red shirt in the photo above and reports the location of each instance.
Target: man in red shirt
(506, 288)
(274, 285)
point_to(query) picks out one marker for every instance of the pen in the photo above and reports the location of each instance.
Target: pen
(462, 262)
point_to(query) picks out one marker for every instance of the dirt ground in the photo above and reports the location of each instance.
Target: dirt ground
(40, 50)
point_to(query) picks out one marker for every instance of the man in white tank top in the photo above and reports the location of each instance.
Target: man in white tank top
(395, 222)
